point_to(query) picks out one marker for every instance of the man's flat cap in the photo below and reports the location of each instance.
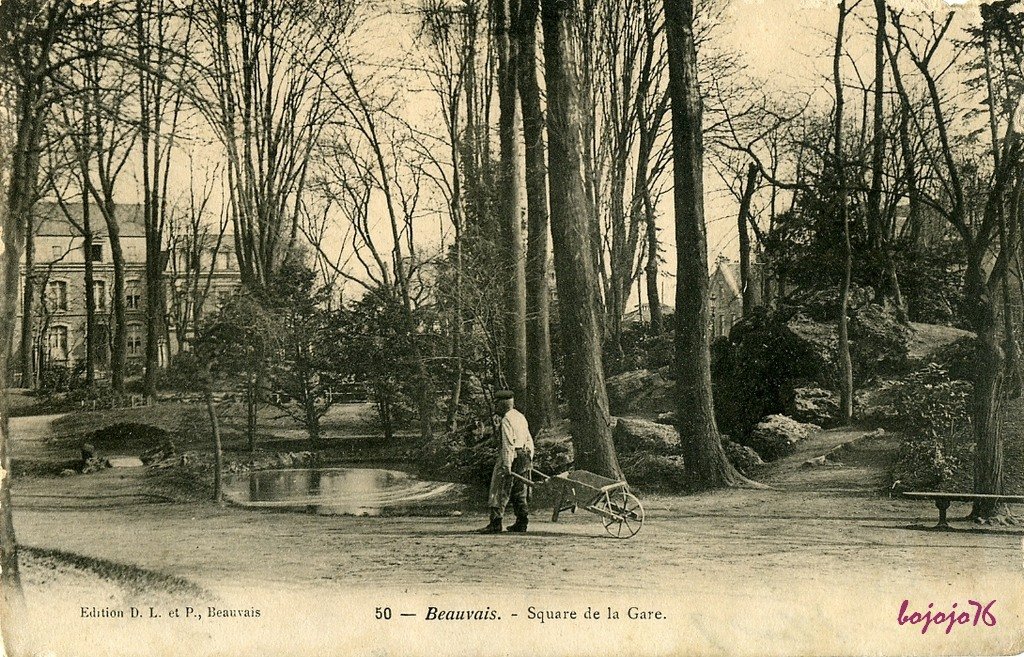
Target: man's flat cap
(504, 394)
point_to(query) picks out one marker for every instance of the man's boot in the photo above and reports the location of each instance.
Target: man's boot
(494, 527)
(520, 525)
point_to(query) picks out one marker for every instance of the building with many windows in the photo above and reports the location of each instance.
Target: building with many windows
(58, 273)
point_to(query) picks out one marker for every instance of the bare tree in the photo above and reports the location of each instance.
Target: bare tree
(974, 203)
(842, 210)
(265, 73)
(195, 245)
(12, 603)
(31, 35)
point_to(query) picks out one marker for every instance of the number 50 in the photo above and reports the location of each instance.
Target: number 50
(383, 613)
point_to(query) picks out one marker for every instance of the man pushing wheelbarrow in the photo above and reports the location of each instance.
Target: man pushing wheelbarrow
(515, 456)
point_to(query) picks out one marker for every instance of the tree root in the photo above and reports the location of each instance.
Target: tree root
(999, 520)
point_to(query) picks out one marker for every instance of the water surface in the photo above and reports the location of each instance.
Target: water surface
(349, 491)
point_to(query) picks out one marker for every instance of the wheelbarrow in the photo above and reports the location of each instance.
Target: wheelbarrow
(620, 510)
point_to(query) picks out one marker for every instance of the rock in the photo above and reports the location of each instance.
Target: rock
(666, 418)
(879, 342)
(824, 305)
(777, 435)
(815, 405)
(94, 464)
(124, 462)
(67, 472)
(89, 452)
(640, 392)
(815, 462)
(743, 458)
(656, 472)
(636, 435)
(164, 450)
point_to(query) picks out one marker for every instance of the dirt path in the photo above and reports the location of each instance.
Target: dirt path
(717, 562)
(815, 522)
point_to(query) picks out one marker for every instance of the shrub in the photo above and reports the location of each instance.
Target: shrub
(924, 464)
(639, 350)
(183, 375)
(131, 435)
(655, 472)
(61, 378)
(932, 405)
(931, 409)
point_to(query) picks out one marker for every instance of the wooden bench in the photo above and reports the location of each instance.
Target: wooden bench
(943, 500)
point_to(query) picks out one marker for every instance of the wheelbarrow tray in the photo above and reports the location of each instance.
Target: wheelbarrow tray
(606, 497)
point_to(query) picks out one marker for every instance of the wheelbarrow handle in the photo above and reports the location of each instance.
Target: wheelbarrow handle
(523, 479)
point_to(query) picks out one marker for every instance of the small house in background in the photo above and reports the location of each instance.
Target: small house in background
(725, 294)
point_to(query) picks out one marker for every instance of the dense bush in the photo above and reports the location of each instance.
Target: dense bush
(639, 350)
(931, 280)
(931, 410)
(131, 435)
(926, 464)
(958, 357)
(183, 374)
(932, 405)
(61, 378)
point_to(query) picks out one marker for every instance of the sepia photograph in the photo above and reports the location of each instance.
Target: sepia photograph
(511, 328)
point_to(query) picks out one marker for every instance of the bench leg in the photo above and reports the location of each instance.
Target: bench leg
(942, 505)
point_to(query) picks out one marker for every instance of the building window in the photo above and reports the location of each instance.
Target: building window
(99, 294)
(132, 295)
(57, 295)
(223, 296)
(57, 344)
(96, 252)
(134, 340)
(58, 254)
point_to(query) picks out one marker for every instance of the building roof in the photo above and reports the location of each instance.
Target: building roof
(53, 222)
(730, 273)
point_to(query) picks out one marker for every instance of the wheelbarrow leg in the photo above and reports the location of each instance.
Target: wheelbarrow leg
(558, 505)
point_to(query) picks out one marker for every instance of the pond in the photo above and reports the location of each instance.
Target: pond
(343, 491)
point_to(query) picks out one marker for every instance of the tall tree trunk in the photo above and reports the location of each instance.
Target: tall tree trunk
(119, 351)
(90, 295)
(751, 288)
(541, 408)
(651, 267)
(509, 192)
(888, 286)
(574, 263)
(12, 604)
(28, 365)
(987, 396)
(845, 362)
(218, 453)
(22, 193)
(706, 464)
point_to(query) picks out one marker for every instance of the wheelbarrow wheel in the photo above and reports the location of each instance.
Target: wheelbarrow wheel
(628, 514)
